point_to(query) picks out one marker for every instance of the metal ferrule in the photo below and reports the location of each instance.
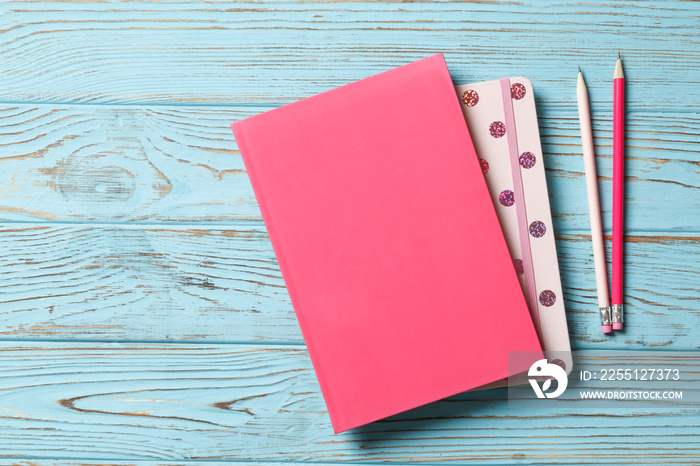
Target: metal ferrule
(605, 315)
(617, 313)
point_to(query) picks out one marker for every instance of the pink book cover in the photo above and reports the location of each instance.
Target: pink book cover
(388, 242)
(502, 120)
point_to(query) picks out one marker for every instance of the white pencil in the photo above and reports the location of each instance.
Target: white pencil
(593, 204)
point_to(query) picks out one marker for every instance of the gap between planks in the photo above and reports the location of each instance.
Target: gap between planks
(257, 224)
(556, 106)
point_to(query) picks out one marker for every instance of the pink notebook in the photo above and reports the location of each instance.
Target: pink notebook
(388, 242)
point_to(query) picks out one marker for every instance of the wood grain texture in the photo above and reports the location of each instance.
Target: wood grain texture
(181, 164)
(231, 52)
(143, 284)
(127, 221)
(244, 402)
(203, 283)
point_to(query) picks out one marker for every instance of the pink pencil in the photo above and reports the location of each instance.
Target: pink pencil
(618, 192)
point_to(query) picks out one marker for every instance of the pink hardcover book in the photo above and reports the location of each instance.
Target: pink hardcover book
(388, 242)
(502, 120)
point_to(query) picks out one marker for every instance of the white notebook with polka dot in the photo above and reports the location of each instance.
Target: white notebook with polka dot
(502, 121)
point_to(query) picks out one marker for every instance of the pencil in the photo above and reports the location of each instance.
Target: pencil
(601, 277)
(618, 192)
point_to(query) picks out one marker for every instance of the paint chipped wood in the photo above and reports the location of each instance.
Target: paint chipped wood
(181, 164)
(126, 215)
(237, 402)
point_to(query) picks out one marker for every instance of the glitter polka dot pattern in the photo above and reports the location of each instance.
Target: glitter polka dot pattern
(517, 91)
(507, 198)
(470, 98)
(519, 269)
(527, 160)
(497, 129)
(537, 229)
(484, 166)
(559, 363)
(548, 298)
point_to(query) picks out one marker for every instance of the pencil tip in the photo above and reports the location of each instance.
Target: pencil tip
(618, 68)
(581, 84)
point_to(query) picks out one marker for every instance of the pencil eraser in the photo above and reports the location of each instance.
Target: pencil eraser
(617, 325)
(606, 328)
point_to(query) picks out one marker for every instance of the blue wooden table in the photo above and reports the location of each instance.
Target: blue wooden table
(143, 317)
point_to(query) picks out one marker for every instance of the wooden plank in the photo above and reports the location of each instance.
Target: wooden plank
(102, 163)
(121, 163)
(276, 52)
(133, 284)
(244, 402)
(661, 292)
(208, 284)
